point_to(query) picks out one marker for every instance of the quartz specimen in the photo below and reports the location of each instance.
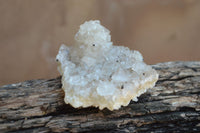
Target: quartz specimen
(96, 73)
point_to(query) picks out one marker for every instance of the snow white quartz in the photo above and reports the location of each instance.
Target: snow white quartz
(96, 73)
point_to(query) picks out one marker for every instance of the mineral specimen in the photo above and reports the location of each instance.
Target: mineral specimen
(96, 73)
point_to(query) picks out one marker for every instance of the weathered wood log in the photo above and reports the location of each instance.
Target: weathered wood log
(173, 105)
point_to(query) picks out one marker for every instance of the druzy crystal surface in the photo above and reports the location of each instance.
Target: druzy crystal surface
(97, 73)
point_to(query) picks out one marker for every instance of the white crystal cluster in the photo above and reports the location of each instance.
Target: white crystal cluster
(96, 73)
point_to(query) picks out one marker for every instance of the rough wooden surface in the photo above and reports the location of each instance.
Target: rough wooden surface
(173, 105)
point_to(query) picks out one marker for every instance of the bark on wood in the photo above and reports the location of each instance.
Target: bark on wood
(173, 105)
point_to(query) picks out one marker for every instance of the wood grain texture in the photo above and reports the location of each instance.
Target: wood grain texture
(173, 105)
